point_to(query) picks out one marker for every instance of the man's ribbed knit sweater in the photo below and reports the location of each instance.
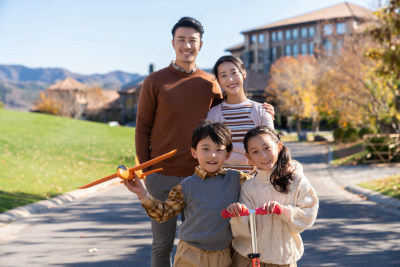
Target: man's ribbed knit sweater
(171, 104)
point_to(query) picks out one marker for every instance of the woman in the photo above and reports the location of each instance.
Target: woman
(238, 112)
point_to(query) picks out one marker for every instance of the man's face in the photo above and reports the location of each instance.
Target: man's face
(187, 44)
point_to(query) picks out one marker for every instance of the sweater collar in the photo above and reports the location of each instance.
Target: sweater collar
(173, 64)
(204, 174)
(263, 175)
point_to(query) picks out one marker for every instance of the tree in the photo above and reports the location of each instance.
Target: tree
(46, 104)
(387, 34)
(350, 91)
(293, 81)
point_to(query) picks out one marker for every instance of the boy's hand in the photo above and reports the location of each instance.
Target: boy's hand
(270, 205)
(235, 208)
(136, 187)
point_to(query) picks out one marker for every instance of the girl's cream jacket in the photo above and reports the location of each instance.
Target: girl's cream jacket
(278, 236)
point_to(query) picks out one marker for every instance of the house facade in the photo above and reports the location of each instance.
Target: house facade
(307, 34)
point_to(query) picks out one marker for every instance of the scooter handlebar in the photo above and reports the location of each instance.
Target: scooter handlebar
(259, 211)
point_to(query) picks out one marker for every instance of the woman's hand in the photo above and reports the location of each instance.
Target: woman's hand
(269, 108)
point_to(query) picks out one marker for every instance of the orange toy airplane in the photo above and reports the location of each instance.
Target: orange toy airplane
(128, 174)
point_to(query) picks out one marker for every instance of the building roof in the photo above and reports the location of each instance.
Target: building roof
(68, 84)
(237, 47)
(344, 10)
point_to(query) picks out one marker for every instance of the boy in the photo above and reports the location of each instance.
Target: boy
(204, 235)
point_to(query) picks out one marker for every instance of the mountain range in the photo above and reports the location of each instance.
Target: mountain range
(20, 85)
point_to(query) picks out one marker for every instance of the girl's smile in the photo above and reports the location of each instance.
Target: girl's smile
(263, 151)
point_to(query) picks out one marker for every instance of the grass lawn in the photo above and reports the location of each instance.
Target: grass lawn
(42, 156)
(389, 186)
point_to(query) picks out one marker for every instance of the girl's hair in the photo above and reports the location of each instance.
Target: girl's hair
(229, 58)
(283, 175)
(218, 132)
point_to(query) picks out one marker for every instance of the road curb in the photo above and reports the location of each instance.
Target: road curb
(374, 196)
(45, 205)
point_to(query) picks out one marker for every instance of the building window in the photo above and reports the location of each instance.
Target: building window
(260, 56)
(287, 50)
(253, 39)
(287, 34)
(273, 54)
(311, 31)
(341, 28)
(295, 50)
(303, 32)
(273, 36)
(295, 34)
(339, 45)
(303, 49)
(328, 29)
(327, 45)
(311, 48)
(279, 36)
(261, 38)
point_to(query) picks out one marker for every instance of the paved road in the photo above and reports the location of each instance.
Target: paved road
(111, 229)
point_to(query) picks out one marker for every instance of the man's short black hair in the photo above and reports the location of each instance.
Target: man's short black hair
(188, 22)
(218, 132)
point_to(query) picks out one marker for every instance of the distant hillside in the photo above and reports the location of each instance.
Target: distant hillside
(19, 85)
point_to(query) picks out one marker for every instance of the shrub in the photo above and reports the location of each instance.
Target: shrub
(368, 129)
(338, 134)
(350, 135)
(1, 105)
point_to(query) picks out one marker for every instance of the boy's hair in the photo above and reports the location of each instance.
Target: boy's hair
(219, 134)
(283, 175)
(188, 22)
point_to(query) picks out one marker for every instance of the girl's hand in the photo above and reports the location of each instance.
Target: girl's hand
(270, 205)
(235, 208)
(135, 186)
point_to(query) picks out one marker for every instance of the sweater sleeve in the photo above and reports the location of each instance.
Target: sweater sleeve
(265, 118)
(147, 106)
(302, 215)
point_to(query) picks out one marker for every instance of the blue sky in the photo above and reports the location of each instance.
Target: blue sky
(98, 36)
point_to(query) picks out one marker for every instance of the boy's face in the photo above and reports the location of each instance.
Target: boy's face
(210, 155)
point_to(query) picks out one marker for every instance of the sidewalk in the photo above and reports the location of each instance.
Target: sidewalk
(349, 176)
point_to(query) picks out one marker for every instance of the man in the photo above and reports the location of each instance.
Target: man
(172, 102)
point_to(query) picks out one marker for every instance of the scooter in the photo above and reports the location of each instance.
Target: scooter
(255, 255)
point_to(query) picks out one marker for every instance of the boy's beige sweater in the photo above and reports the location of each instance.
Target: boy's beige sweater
(278, 236)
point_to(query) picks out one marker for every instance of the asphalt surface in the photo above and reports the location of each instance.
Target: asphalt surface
(108, 227)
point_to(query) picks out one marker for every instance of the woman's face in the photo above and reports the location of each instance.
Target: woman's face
(230, 78)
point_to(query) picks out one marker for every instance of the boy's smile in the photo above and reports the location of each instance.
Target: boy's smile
(210, 155)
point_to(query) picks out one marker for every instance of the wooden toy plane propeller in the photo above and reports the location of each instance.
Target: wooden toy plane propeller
(128, 173)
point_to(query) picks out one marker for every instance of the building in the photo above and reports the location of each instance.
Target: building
(306, 34)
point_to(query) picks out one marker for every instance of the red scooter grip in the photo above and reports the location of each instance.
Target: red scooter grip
(259, 211)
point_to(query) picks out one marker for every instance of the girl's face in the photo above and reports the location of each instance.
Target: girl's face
(263, 151)
(230, 78)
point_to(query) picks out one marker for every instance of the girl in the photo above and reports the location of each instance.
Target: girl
(279, 180)
(237, 112)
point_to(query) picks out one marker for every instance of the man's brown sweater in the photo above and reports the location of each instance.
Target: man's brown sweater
(171, 104)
